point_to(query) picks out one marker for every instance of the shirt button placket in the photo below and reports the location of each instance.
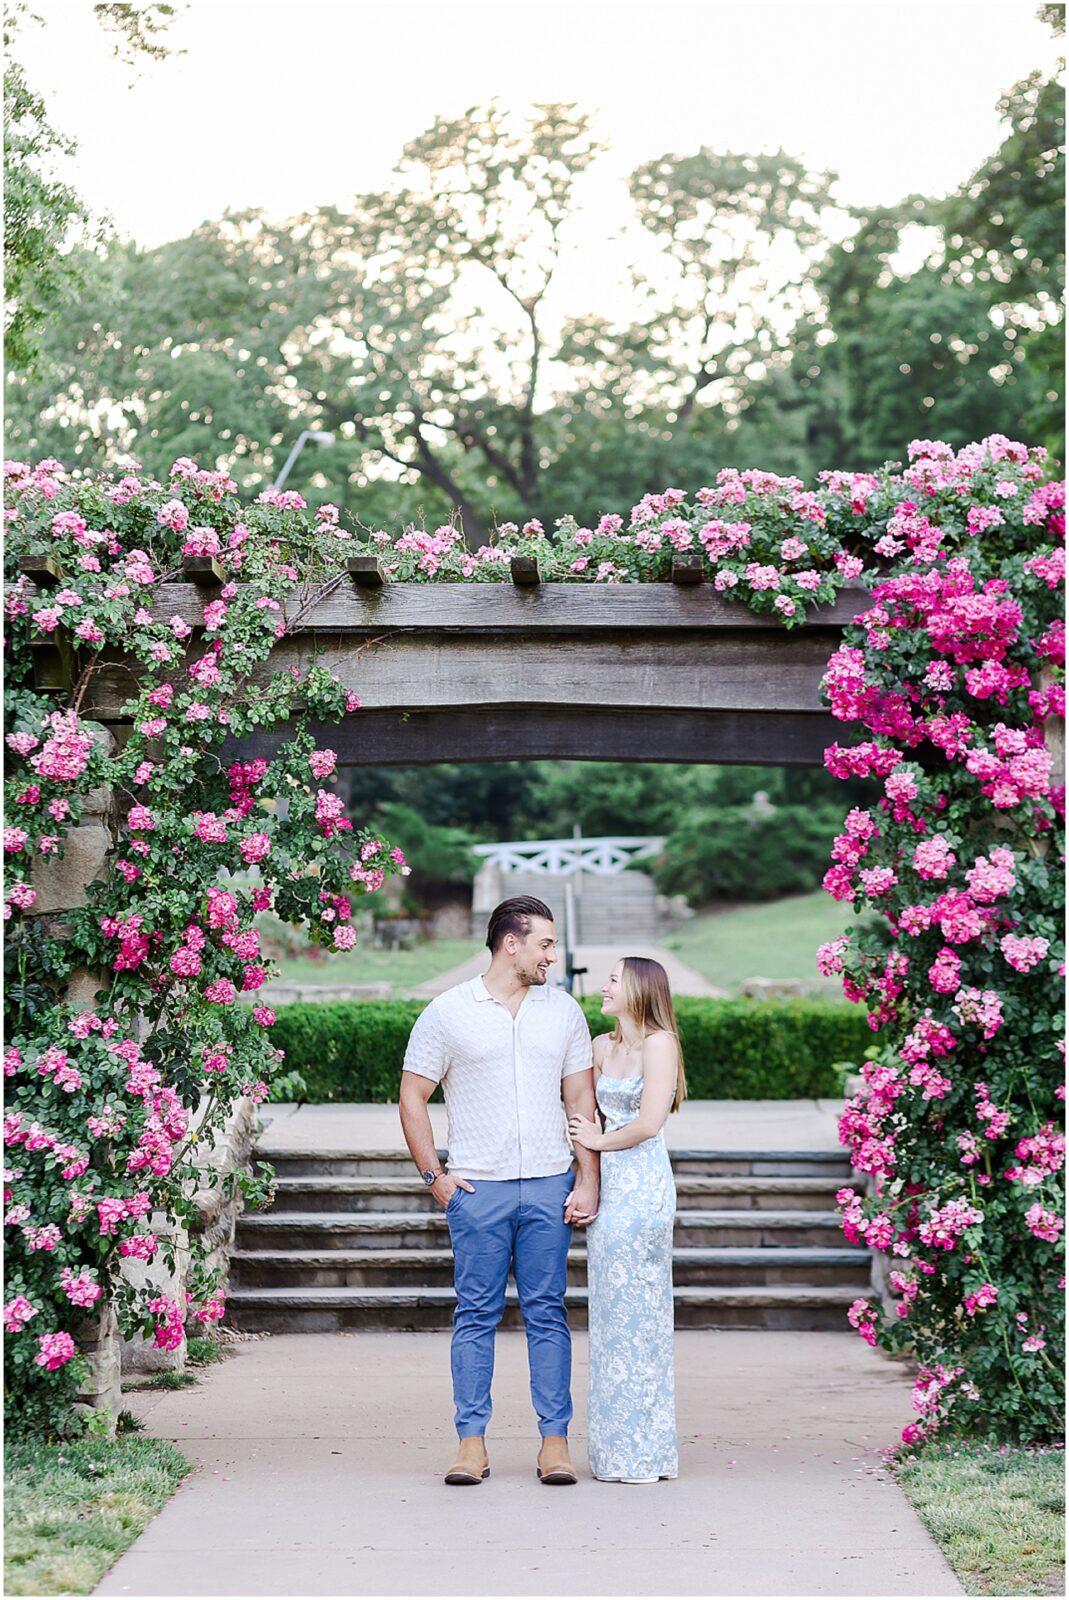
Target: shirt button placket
(516, 1064)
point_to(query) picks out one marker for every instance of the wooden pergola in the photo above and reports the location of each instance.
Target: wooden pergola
(524, 669)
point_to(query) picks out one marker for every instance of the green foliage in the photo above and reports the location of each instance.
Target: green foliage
(203, 1352)
(740, 853)
(436, 855)
(128, 1134)
(347, 1050)
(451, 385)
(138, 30)
(758, 1050)
(41, 216)
(911, 356)
(544, 799)
(45, 221)
(734, 1049)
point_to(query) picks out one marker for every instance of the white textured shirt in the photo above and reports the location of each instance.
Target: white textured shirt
(501, 1077)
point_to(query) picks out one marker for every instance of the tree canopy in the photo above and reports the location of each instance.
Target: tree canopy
(422, 325)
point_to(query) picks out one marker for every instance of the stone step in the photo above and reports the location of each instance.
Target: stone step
(421, 1268)
(406, 1230)
(786, 1306)
(371, 1163)
(312, 1192)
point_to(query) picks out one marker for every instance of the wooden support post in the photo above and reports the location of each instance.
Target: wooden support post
(53, 663)
(686, 570)
(204, 571)
(525, 573)
(366, 572)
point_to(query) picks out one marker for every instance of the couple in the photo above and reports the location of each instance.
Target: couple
(507, 1051)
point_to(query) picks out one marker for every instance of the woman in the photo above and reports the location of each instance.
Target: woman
(638, 1079)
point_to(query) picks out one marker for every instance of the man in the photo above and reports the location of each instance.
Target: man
(505, 1048)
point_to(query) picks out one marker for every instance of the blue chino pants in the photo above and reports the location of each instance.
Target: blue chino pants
(515, 1223)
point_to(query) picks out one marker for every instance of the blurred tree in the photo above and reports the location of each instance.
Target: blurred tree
(139, 30)
(439, 856)
(545, 799)
(899, 356)
(739, 853)
(1005, 239)
(483, 798)
(44, 218)
(221, 346)
(40, 216)
(419, 327)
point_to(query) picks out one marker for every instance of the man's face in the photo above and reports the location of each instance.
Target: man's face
(535, 954)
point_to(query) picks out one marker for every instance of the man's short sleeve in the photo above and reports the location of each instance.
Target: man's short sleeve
(427, 1053)
(578, 1053)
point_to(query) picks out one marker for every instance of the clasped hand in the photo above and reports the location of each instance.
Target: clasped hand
(585, 1132)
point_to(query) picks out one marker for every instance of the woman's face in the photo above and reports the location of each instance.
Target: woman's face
(611, 999)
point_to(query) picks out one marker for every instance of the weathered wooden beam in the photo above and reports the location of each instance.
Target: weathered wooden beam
(367, 572)
(645, 671)
(44, 571)
(550, 608)
(686, 570)
(529, 733)
(525, 573)
(203, 571)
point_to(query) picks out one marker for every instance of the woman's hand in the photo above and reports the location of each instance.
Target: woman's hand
(585, 1132)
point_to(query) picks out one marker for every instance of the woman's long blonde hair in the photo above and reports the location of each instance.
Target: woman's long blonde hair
(646, 993)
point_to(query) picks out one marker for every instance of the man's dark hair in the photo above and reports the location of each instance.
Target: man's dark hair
(514, 916)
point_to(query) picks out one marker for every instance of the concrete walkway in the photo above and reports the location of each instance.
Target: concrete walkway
(699, 1125)
(319, 1461)
(598, 959)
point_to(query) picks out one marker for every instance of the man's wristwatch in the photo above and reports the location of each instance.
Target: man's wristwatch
(431, 1177)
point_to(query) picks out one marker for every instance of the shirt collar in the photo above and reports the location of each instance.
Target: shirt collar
(479, 991)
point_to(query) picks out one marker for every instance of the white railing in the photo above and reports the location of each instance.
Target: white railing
(604, 857)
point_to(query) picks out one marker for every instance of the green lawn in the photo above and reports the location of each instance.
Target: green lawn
(777, 940)
(998, 1517)
(403, 970)
(70, 1510)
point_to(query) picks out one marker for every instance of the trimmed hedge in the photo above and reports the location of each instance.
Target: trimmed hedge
(734, 1049)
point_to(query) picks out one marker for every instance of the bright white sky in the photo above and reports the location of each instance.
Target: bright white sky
(289, 106)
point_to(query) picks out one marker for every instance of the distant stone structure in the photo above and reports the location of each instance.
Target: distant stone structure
(595, 899)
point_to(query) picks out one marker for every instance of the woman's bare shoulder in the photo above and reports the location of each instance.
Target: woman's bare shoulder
(660, 1046)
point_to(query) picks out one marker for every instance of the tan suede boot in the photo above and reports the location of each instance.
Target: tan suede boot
(472, 1464)
(554, 1463)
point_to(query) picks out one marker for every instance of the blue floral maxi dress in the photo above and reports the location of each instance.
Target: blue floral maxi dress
(631, 1417)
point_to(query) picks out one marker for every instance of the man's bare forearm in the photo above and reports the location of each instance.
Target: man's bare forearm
(418, 1132)
(589, 1165)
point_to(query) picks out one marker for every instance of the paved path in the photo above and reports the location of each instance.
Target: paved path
(598, 959)
(699, 1125)
(319, 1461)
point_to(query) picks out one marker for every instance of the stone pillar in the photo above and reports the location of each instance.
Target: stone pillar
(97, 1339)
(485, 895)
(215, 1223)
(137, 1353)
(217, 1212)
(62, 884)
